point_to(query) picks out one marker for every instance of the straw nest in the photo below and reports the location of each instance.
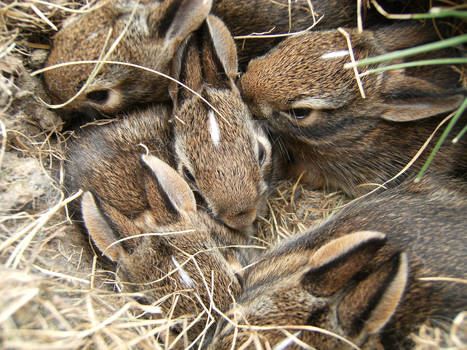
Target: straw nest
(55, 292)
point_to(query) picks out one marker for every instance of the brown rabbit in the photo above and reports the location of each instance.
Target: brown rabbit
(352, 277)
(226, 158)
(223, 154)
(185, 267)
(157, 29)
(336, 137)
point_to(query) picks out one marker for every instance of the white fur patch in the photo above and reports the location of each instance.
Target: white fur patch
(335, 54)
(286, 342)
(214, 129)
(186, 279)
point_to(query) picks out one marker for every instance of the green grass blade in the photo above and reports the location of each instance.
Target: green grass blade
(456, 60)
(436, 12)
(441, 139)
(458, 137)
(438, 45)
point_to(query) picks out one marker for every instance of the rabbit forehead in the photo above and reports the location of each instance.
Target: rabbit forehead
(209, 139)
(309, 65)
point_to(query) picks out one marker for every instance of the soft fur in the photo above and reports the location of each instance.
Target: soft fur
(331, 133)
(349, 276)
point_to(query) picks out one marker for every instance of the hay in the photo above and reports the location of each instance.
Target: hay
(55, 292)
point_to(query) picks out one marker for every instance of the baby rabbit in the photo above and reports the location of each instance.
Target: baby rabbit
(151, 40)
(358, 275)
(182, 266)
(226, 158)
(223, 154)
(331, 133)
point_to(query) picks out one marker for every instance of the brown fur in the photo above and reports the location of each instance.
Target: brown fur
(342, 140)
(358, 293)
(231, 175)
(234, 193)
(177, 270)
(244, 17)
(106, 161)
(154, 35)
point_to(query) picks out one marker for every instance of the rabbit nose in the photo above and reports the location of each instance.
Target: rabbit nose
(240, 220)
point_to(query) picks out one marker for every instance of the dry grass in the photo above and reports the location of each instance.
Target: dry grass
(55, 292)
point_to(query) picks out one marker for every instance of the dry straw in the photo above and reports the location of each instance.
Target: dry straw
(55, 293)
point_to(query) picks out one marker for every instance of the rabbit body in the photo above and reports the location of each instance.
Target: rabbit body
(349, 276)
(333, 135)
(246, 17)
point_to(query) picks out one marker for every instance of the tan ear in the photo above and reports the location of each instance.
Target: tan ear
(419, 108)
(224, 45)
(335, 263)
(177, 190)
(405, 98)
(372, 303)
(186, 68)
(184, 17)
(98, 228)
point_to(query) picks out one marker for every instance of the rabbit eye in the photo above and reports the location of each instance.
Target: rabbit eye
(299, 113)
(188, 175)
(261, 154)
(98, 96)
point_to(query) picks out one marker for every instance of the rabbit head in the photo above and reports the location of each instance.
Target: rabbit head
(223, 154)
(105, 160)
(174, 265)
(151, 39)
(304, 77)
(339, 138)
(291, 293)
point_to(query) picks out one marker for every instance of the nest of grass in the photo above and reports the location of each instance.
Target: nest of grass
(56, 292)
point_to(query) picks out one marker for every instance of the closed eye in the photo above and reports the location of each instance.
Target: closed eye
(188, 175)
(261, 154)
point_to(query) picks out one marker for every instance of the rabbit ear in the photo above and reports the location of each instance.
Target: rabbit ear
(406, 98)
(186, 68)
(334, 264)
(223, 47)
(370, 305)
(212, 61)
(177, 190)
(99, 229)
(178, 19)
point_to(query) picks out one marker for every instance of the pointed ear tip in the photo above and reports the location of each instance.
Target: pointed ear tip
(87, 198)
(404, 261)
(144, 157)
(374, 234)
